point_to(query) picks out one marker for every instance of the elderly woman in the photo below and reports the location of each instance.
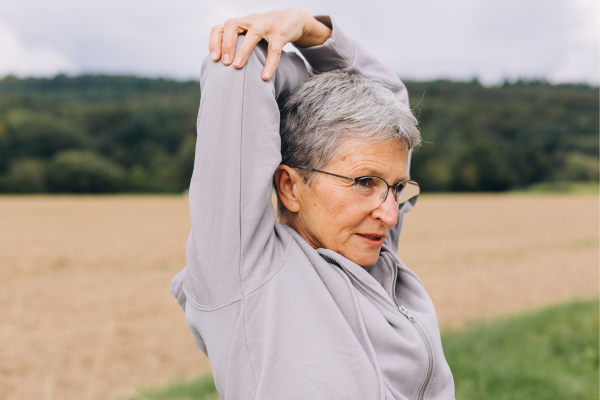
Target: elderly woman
(318, 305)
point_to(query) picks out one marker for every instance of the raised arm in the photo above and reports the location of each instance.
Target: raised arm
(341, 52)
(232, 244)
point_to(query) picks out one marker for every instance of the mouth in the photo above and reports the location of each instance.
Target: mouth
(372, 239)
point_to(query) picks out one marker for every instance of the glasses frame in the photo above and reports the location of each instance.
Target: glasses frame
(395, 187)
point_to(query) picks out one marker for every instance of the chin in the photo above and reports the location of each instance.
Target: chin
(362, 253)
(364, 259)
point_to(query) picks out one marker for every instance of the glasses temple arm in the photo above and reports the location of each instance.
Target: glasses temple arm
(329, 173)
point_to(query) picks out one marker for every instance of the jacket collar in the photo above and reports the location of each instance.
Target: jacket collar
(360, 274)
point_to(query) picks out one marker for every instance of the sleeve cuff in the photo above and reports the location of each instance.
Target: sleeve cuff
(336, 53)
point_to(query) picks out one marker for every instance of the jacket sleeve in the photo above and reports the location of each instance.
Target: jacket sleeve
(232, 244)
(341, 52)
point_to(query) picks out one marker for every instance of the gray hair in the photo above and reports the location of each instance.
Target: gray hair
(332, 107)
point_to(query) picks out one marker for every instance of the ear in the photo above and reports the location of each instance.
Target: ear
(288, 182)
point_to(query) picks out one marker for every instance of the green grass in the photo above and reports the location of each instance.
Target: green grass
(202, 388)
(585, 188)
(547, 354)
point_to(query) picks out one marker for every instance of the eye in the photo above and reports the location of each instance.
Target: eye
(399, 187)
(366, 182)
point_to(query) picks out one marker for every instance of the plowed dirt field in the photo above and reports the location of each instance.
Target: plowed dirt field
(86, 313)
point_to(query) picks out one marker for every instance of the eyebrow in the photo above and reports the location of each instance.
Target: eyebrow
(375, 172)
(404, 178)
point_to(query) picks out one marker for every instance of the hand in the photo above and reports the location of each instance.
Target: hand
(276, 27)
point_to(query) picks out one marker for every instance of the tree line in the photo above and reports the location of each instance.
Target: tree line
(105, 134)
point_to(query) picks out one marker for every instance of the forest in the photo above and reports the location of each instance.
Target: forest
(107, 134)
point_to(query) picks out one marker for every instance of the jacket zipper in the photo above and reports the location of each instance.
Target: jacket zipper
(414, 322)
(402, 310)
(427, 346)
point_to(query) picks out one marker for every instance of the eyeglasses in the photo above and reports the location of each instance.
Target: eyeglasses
(370, 191)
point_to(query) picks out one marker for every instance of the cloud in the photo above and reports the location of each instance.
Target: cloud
(461, 39)
(581, 58)
(21, 60)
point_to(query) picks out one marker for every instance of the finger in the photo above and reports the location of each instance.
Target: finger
(214, 42)
(230, 34)
(243, 53)
(273, 56)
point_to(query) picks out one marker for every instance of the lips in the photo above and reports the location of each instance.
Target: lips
(372, 239)
(371, 236)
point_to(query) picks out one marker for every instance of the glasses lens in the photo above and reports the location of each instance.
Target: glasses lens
(406, 197)
(369, 192)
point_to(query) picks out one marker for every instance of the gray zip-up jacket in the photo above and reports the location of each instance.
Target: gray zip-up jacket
(277, 318)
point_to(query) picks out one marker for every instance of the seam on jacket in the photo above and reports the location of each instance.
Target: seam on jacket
(209, 308)
(249, 292)
(364, 333)
(350, 64)
(240, 227)
(275, 270)
(334, 42)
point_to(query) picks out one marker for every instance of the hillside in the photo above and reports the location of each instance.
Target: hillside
(96, 134)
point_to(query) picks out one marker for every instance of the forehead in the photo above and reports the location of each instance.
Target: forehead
(387, 159)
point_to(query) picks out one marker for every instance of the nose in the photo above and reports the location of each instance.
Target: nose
(387, 211)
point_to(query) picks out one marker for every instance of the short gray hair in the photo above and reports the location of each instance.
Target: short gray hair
(334, 106)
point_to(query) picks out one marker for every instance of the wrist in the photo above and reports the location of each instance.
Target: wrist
(316, 31)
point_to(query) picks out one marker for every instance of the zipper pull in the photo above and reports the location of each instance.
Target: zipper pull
(405, 312)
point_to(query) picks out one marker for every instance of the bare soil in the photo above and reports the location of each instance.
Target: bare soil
(86, 312)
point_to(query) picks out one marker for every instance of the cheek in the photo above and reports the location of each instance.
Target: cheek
(339, 214)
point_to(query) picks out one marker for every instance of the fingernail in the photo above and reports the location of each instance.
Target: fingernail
(267, 75)
(238, 61)
(226, 58)
(213, 55)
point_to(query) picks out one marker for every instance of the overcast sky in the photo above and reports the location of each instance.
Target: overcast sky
(491, 40)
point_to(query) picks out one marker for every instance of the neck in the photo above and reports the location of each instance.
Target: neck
(295, 222)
